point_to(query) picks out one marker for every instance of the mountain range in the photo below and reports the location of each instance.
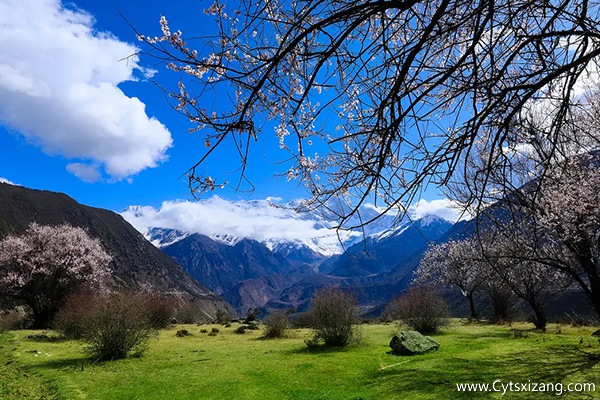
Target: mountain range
(248, 273)
(229, 271)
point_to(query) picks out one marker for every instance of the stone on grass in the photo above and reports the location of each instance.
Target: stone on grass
(408, 343)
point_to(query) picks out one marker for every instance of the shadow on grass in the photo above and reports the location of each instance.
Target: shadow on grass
(44, 338)
(64, 363)
(320, 349)
(476, 335)
(552, 364)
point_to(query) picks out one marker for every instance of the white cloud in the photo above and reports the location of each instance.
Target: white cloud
(260, 220)
(59, 88)
(444, 208)
(4, 180)
(266, 221)
(85, 172)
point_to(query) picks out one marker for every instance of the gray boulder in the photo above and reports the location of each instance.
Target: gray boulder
(408, 343)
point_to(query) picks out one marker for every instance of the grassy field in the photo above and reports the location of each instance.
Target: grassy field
(230, 366)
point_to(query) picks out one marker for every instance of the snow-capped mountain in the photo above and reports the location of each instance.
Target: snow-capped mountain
(229, 240)
(273, 224)
(163, 237)
(262, 254)
(228, 222)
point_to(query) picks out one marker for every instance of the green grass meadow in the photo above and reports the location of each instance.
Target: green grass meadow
(230, 366)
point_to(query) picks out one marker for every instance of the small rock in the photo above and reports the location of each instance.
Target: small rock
(408, 343)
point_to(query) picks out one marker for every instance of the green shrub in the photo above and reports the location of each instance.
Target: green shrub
(190, 313)
(421, 308)
(221, 317)
(240, 330)
(182, 333)
(253, 325)
(116, 326)
(252, 315)
(276, 324)
(334, 317)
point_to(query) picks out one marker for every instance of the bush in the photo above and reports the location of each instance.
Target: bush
(116, 326)
(190, 313)
(421, 308)
(221, 317)
(69, 320)
(252, 315)
(300, 320)
(183, 333)
(240, 330)
(276, 325)
(333, 315)
(253, 325)
(113, 325)
(17, 318)
(161, 310)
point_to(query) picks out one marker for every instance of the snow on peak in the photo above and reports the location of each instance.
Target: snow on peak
(267, 221)
(229, 240)
(429, 219)
(163, 237)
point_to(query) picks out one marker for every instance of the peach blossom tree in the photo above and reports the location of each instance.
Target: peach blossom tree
(42, 265)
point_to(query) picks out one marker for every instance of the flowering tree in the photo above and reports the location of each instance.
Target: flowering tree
(44, 264)
(523, 258)
(390, 94)
(457, 263)
(567, 206)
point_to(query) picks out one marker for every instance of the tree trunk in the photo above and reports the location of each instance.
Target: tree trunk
(41, 318)
(501, 305)
(539, 318)
(472, 307)
(594, 293)
(585, 258)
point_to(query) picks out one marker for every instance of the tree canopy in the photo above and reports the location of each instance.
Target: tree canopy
(46, 263)
(377, 99)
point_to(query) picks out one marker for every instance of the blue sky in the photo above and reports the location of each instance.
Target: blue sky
(80, 117)
(38, 155)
